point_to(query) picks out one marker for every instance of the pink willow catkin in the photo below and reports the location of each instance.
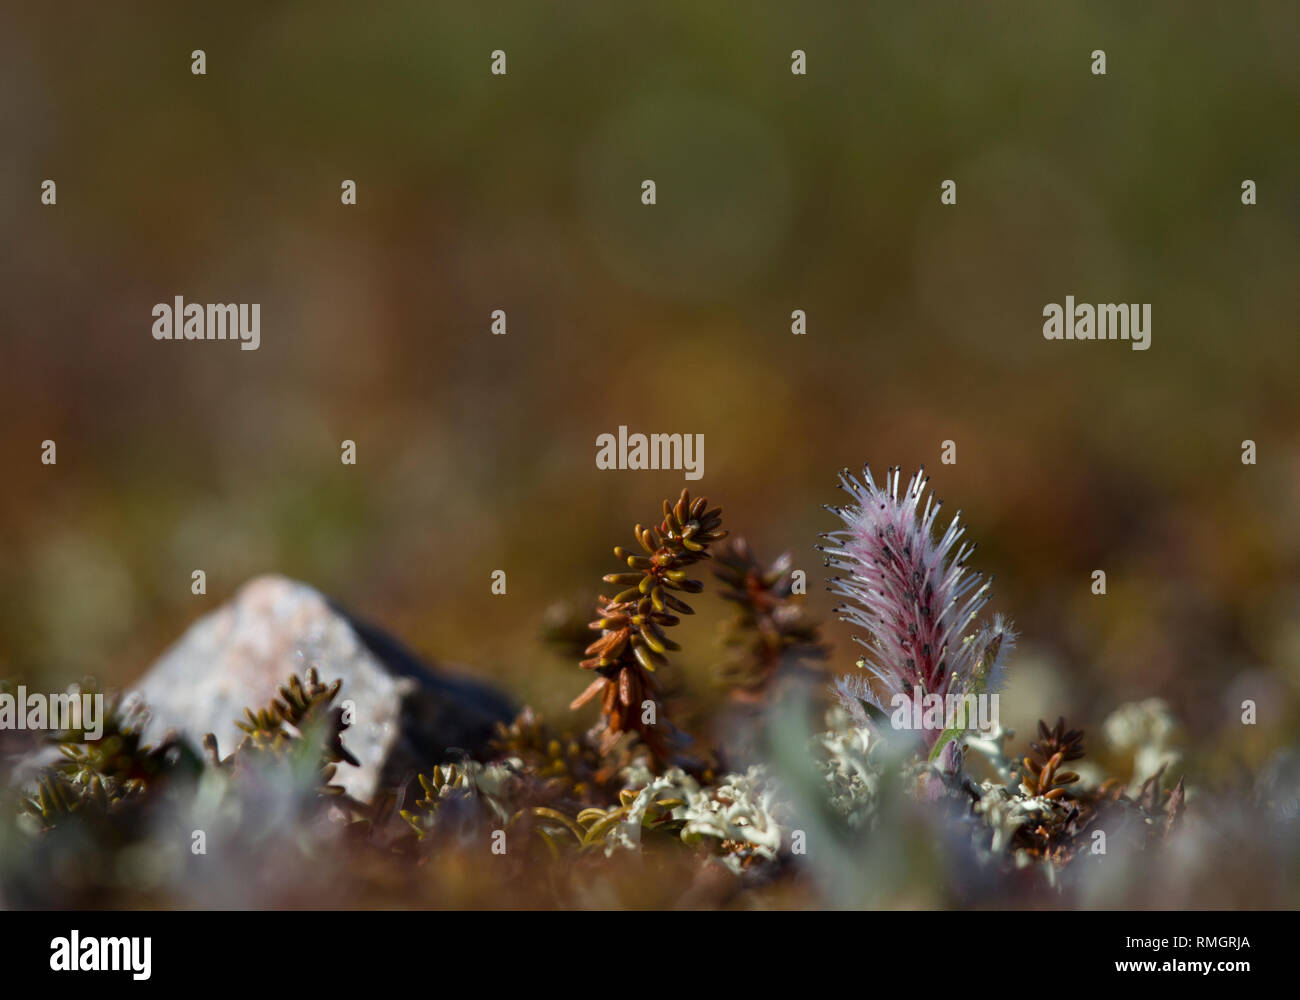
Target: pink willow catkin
(913, 596)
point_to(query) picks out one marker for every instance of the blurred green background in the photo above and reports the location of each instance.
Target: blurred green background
(775, 192)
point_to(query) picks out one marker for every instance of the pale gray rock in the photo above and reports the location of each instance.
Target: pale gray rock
(407, 715)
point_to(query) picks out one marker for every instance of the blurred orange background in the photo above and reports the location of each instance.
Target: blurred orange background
(775, 192)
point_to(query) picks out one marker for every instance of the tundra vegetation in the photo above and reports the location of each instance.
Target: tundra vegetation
(801, 793)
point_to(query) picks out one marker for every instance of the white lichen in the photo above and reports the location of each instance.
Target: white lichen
(1149, 731)
(743, 812)
(852, 777)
